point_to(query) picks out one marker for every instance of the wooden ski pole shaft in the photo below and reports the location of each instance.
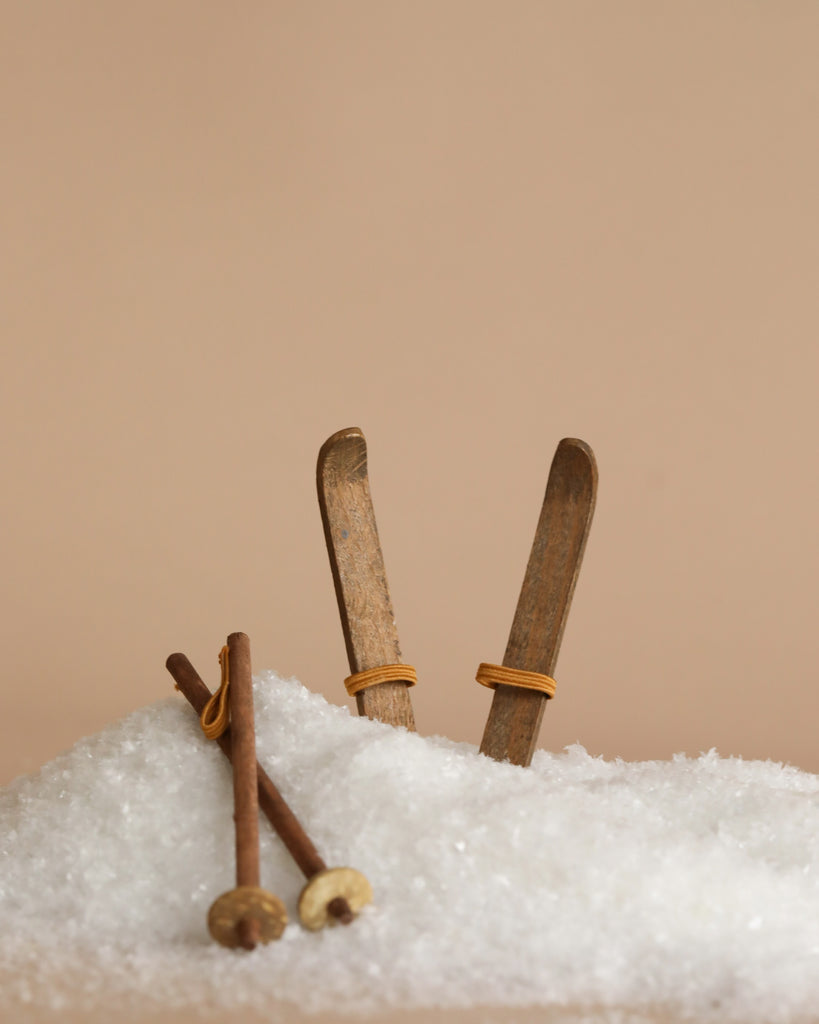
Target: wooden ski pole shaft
(545, 598)
(275, 807)
(245, 789)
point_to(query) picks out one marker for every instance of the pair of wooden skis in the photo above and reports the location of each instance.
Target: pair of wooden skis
(364, 603)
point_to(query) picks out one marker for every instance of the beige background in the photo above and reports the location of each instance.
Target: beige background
(228, 230)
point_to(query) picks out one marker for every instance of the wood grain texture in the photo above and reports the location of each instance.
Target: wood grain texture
(545, 598)
(360, 580)
(245, 785)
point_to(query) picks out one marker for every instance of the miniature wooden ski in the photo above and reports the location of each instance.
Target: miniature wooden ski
(543, 607)
(367, 618)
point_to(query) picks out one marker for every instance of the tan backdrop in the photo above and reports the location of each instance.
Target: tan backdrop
(470, 228)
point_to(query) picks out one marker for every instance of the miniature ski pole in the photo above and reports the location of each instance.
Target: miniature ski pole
(331, 894)
(248, 914)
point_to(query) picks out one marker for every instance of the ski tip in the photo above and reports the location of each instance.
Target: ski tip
(574, 467)
(348, 434)
(341, 435)
(575, 442)
(347, 445)
(577, 450)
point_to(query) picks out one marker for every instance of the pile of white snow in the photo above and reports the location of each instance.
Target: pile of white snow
(691, 885)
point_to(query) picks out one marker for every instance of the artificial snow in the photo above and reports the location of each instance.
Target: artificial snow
(691, 885)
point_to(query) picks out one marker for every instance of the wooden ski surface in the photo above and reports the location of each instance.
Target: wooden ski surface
(357, 564)
(543, 607)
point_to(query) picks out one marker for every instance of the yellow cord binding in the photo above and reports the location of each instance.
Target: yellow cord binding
(383, 674)
(216, 713)
(491, 675)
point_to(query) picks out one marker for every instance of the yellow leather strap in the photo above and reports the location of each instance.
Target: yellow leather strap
(216, 713)
(382, 674)
(491, 675)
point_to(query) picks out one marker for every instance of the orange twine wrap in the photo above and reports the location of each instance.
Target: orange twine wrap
(382, 674)
(216, 713)
(491, 675)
